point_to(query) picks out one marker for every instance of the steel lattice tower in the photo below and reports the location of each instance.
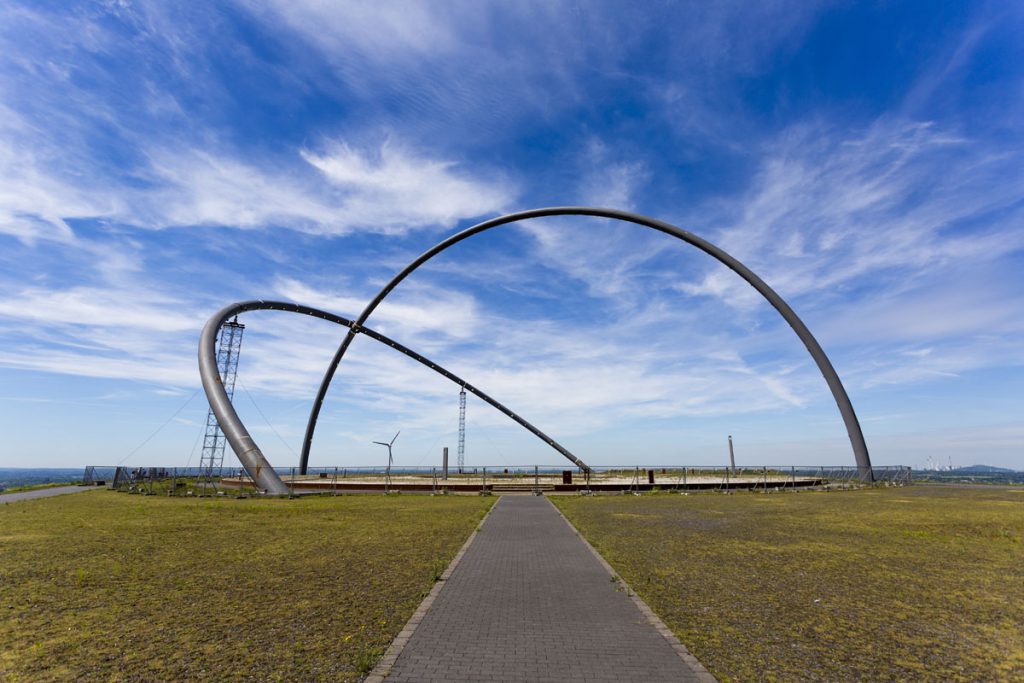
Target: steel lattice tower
(211, 462)
(462, 429)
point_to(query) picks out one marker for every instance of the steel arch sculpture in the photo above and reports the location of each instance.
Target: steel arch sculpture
(853, 430)
(249, 454)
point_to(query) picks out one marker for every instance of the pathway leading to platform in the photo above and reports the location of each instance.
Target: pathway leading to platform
(529, 601)
(42, 493)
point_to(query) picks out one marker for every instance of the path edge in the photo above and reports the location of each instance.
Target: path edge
(39, 494)
(698, 669)
(383, 666)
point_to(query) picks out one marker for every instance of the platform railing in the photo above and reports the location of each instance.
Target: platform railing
(491, 478)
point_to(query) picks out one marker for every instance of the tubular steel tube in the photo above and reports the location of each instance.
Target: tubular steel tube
(249, 454)
(242, 443)
(853, 430)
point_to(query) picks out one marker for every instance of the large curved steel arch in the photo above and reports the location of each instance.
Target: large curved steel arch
(853, 430)
(249, 454)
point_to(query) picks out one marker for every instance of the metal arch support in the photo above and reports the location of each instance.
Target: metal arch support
(853, 430)
(249, 454)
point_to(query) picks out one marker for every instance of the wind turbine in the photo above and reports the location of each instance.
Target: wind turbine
(387, 472)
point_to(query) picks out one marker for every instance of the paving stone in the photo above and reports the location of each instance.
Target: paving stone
(530, 602)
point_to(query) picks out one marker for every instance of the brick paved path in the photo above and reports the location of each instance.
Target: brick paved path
(530, 602)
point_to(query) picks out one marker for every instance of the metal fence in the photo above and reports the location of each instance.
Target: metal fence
(160, 480)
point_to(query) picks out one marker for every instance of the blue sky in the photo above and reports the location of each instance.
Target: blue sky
(160, 161)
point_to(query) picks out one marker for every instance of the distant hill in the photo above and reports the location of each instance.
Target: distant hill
(987, 474)
(982, 469)
(11, 477)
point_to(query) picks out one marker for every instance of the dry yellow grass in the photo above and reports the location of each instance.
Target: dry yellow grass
(918, 583)
(111, 586)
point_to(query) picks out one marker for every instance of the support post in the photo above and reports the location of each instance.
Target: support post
(444, 459)
(732, 456)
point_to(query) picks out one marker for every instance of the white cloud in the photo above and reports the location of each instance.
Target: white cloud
(169, 368)
(608, 256)
(383, 31)
(828, 210)
(574, 380)
(609, 180)
(33, 203)
(932, 312)
(388, 190)
(411, 312)
(104, 307)
(118, 323)
(394, 189)
(476, 53)
(193, 187)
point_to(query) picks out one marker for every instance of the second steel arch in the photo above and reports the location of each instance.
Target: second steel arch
(242, 443)
(842, 399)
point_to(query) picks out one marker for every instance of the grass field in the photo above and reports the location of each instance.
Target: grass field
(111, 586)
(916, 583)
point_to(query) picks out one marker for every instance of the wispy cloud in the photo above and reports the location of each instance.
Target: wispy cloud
(829, 209)
(33, 202)
(84, 137)
(394, 189)
(401, 31)
(608, 179)
(576, 379)
(92, 306)
(386, 190)
(425, 310)
(608, 257)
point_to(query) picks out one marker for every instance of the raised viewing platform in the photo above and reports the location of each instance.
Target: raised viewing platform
(546, 481)
(497, 480)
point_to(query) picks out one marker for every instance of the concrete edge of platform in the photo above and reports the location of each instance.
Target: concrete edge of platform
(383, 667)
(684, 654)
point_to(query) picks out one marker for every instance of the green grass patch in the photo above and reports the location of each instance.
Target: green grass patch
(108, 586)
(917, 583)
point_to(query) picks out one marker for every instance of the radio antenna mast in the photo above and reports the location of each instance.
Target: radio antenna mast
(462, 429)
